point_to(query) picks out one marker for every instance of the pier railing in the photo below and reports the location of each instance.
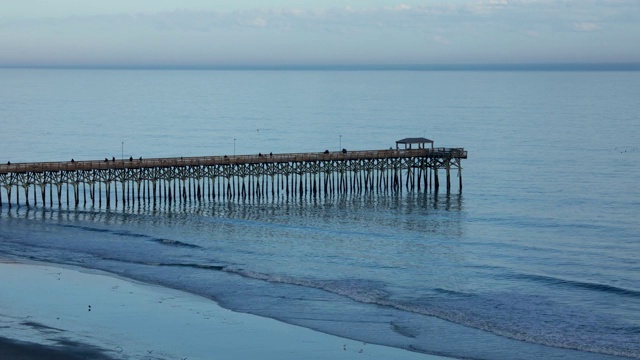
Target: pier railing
(445, 153)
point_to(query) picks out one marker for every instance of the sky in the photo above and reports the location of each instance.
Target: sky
(328, 32)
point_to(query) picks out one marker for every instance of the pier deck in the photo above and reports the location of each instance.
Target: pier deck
(228, 177)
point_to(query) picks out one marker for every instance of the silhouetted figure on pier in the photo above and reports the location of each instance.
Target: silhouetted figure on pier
(270, 154)
(130, 158)
(326, 151)
(8, 162)
(106, 160)
(113, 159)
(259, 154)
(72, 160)
(140, 158)
(344, 151)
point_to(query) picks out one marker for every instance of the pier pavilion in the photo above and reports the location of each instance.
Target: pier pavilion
(170, 180)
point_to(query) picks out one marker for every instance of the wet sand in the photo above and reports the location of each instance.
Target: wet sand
(51, 312)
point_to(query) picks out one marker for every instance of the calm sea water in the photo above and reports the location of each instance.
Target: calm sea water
(537, 257)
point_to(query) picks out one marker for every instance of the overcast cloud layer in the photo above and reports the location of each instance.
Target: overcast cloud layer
(212, 33)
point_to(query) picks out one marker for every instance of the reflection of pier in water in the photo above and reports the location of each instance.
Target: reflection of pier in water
(172, 180)
(422, 212)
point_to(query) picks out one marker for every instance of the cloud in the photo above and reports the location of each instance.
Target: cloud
(258, 22)
(586, 26)
(401, 7)
(465, 31)
(513, 13)
(440, 39)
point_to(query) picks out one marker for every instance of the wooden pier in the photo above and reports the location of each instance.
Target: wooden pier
(126, 182)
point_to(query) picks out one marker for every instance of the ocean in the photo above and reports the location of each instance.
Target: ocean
(536, 257)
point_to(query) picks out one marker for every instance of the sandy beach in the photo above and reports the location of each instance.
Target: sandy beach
(55, 312)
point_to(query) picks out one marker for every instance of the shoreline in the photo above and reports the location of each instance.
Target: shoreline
(60, 312)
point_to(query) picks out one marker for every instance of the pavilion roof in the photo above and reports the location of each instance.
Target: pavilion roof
(416, 140)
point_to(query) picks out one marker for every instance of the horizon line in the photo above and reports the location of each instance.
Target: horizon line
(569, 66)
